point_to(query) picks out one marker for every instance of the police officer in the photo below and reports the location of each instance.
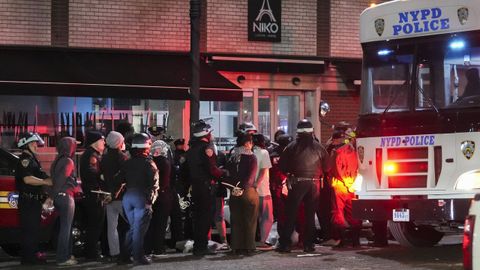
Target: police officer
(29, 180)
(93, 207)
(278, 181)
(140, 175)
(182, 186)
(203, 171)
(304, 161)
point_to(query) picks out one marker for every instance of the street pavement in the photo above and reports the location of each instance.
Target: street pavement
(446, 255)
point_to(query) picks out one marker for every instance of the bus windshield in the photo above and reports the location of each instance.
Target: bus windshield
(417, 74)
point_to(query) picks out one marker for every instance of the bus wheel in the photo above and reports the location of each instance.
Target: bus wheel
(410, 235)
(11, 249)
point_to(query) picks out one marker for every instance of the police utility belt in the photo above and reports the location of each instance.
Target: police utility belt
(34, 196)
(292, 179)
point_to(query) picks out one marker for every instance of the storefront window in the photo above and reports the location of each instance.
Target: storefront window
(55, 117)
(225, 117)
(264, 117)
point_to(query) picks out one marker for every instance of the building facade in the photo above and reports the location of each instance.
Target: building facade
(99, 63)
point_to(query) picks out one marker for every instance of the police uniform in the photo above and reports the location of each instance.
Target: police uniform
(182, 186)
(93, 207)
(304, 161)
(29, 204)
(202, 168)
(140, 175)
(277, 181)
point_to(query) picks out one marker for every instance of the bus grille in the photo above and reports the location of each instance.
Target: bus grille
(412, 167)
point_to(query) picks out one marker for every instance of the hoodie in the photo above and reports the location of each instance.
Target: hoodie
(63, 167)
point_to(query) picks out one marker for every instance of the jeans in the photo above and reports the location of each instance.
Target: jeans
(114, 210)
(65, 206)
(138, 216)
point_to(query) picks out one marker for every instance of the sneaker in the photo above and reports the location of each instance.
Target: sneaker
(68, 262)
(142, 261)
(223, 247)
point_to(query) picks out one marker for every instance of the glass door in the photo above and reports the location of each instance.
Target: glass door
(279, 110)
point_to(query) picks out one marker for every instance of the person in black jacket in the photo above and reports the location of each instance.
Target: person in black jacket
(93, 207)
(140, 175)
(304, 161)
(112, 161)
(203, 171)
(29, 180)
(278, 183)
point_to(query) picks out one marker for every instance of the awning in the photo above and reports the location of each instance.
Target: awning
(53, 71)
(267, 63)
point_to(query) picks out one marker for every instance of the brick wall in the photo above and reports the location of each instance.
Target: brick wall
(25, 22)
(344, 106)
(141, 24)
(227, 28)
(345, 27)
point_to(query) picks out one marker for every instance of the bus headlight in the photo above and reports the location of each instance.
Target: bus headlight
(469, 180)
(357, 184)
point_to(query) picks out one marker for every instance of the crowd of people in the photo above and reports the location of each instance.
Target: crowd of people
(132, 184)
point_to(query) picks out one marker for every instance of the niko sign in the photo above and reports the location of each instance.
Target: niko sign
(264, 20)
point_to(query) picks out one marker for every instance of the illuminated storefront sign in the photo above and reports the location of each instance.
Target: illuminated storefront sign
(264, 20)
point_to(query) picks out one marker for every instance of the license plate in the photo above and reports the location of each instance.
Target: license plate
(401, 215)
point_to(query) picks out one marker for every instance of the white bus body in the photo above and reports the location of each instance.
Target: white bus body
(419, 124)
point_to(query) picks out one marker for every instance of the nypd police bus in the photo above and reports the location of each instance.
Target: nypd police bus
(419, 124)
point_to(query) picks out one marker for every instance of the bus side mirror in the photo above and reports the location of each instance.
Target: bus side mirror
(324, 109)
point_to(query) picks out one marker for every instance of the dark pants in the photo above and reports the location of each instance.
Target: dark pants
(306, 191)
(29, 211)
(176, 221)
(138, 216)
(65, 206)
(324, 211)
(244, 214)
(95, 217)
(155, 236)
(279, 201)
(203, 201)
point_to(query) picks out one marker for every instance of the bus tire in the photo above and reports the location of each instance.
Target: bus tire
(410, 235)
(11, 249)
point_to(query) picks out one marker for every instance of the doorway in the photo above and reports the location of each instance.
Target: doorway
(279, 110)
